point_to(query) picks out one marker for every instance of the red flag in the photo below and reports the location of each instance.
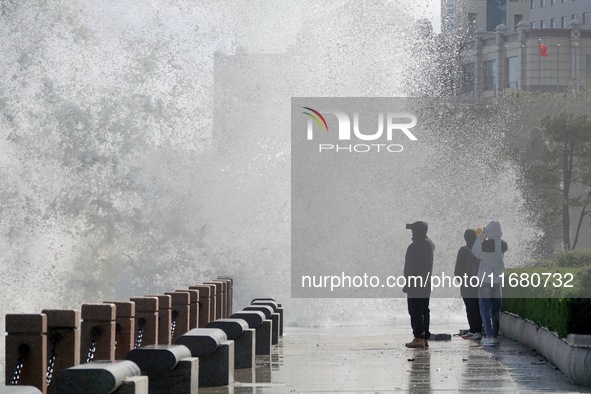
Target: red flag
(543, 50)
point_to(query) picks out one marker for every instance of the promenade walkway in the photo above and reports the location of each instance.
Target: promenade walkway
(374, 360)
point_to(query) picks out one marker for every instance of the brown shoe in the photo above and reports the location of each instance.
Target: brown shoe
(417, 343)
(426, 342)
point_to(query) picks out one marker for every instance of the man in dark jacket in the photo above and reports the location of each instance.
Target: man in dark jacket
(466, 267)
(418, 266)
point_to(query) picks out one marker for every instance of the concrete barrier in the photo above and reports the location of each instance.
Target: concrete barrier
(102, 377)
(78, 347)
(270, 315)
(237, 330)
(276, 309)
(573, 362)
(19, 390)
(215, 353)
(170, 368)
(264, 329)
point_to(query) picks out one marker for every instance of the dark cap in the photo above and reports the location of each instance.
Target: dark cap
(418, 228)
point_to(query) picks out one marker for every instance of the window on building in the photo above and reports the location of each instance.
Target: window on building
(543, 24)
(553, 23)
(496, 14)
(552, 2)
(563, 22)
(516, 19)
(532, 25)
(585, 18)
(489, 75)
(468, 78)
(472, 18)
(513, 74)
(542, 3)
(574, 16)
(532, 4)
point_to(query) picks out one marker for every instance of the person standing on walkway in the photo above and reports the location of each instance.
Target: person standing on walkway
(418, 266)
(489, 248)
(467, 266)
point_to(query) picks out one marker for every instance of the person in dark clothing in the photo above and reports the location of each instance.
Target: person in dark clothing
(466, 267)
(418, 266)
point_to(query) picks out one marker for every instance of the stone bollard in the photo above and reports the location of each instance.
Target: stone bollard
(270, 315)
(170, 368)
(238, 330)
(164, 318)
(19, 390)
(230, 302)
(224, 298)
(146, 321)
(263, 327)
(26, 350)
(219, 298)
(179, 315)
(280, 310)
(206, 306)
(124, 327)
(276, 310)
(103, 377)
(215, 353)
(63, 342)
(193, 307)
(97, 333)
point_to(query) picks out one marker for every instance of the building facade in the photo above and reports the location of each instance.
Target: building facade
(529, 59)
(557, 14)
(466, 17)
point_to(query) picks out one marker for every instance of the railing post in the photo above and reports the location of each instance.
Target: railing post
(124, 327)
(146, 321)
(97, 334)
(230, 302)
(63, 342)
(205, 307)
(194, 307)
(219, 301)
(164, 318)
(180, 314)
(26, 350)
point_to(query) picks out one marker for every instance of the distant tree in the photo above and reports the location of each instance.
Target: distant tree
(562, 177)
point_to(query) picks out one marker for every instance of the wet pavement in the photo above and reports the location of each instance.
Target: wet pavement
(370, 359)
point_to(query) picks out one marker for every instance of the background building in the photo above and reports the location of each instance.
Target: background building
(529, 59)
(465, 17)
(541, 45)
(557, 14)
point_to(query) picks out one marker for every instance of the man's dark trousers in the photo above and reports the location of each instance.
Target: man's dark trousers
(418, 309)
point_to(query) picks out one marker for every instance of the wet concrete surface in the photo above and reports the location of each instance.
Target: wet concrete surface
(374, 360)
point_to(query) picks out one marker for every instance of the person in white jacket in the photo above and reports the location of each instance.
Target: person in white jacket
(490, 248)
